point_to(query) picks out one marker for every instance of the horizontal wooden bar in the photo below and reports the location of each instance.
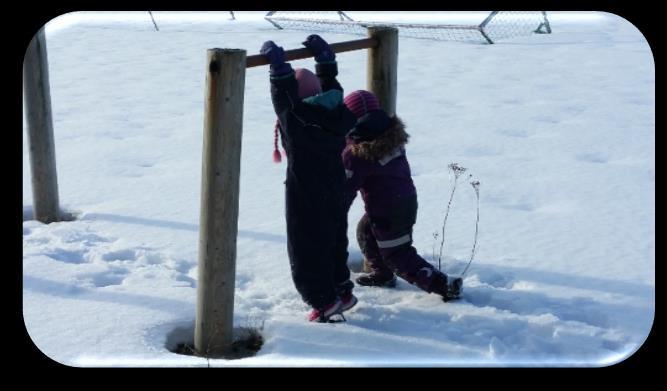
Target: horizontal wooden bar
(298, 54)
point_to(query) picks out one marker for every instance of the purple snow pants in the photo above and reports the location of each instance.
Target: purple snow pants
(386, 242)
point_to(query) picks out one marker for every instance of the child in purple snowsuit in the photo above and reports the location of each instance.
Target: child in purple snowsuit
(376, 165)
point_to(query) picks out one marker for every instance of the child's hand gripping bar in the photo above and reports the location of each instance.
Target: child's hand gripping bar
(298, 54)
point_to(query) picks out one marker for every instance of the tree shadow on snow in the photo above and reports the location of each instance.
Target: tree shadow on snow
(178, 225)
(74, 292)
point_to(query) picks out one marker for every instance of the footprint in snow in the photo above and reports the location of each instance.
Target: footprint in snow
(592, 157)
(517, 133)
(120, 255)
(496, 280)
(113, 276)
(69, 256)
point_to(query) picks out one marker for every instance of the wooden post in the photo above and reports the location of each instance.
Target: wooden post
(382, 66)
(37, 100)
(381, 74)
(218, 224)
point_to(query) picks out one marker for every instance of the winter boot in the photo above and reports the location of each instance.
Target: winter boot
(449, 287)
(454, 288)
(324, 314)
(348, 300)
(377, 279)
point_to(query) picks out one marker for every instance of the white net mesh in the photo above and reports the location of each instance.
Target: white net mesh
(510, 24)
(313, 24)
(499, 25)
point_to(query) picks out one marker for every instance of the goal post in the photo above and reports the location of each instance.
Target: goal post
(498, 25)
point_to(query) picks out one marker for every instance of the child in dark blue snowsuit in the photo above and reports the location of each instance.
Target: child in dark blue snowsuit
(313, 122)
(377, 166)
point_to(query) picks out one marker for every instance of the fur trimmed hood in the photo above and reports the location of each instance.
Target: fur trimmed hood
(393, 137)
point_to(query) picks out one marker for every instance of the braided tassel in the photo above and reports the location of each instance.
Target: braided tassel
(276, 152)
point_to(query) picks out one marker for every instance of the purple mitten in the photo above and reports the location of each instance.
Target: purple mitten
(276, 57)
(320, 48)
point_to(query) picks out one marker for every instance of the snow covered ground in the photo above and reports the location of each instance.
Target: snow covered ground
(559, 129)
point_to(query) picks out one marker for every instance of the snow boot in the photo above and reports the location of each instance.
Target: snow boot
(377, 279)
(454, 288)
(324, 314)
(347, 301)
(449, 287)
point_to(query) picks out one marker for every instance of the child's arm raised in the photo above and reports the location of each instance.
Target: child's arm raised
(326, 67)
(284, 93)
(284, 88)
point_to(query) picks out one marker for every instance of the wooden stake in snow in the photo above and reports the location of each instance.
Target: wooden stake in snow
(37, 100)
(223, 125)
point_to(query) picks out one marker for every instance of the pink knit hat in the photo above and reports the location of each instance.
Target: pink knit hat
(361, 102)
(309, 85)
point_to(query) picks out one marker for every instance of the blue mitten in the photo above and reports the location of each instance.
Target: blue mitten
(320, 48)
(276, 57)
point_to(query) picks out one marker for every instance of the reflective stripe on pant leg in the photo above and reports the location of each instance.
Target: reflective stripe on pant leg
(394, 242)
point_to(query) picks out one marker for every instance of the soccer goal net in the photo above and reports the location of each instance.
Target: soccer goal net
(496, 26)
